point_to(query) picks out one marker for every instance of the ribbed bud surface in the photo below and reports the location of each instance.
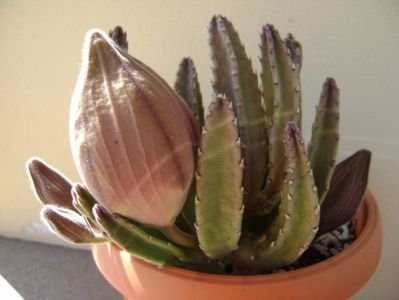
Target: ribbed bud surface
(132, 136)
(49, 185)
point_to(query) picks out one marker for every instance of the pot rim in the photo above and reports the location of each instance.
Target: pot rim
(371, 219)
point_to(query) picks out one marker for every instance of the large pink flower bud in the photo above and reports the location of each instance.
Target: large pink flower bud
(133, 138)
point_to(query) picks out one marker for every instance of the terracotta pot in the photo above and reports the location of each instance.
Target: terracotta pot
(336, 278)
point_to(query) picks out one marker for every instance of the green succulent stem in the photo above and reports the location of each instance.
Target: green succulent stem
(219, 202)
(188, 87)
(235, 78)
(282, 98)
(295, 49)
(187, 214)
(83, 200)
(179, 237)
(298, 218)
(142, 242)
(323, 145)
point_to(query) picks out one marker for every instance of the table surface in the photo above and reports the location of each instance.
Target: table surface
(42, 272)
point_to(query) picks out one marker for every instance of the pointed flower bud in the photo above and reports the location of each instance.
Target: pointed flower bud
(50, 186)
(133, 137)
(69, 225)
(347, 188)
(119, 37)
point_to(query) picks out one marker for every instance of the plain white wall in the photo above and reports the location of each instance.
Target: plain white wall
(356, 42)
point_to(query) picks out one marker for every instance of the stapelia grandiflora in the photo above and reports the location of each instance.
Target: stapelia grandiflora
(260, 197)
(133, 138)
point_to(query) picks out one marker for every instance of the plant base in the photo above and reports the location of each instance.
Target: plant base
(338, 277)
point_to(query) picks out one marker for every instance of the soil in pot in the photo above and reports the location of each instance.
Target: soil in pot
(326, 246)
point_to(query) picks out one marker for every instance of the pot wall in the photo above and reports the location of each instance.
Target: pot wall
(336, 278)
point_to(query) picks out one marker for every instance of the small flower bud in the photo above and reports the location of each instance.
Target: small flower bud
(50, 186)
(69, 225)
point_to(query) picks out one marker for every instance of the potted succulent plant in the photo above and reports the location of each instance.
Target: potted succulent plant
(180, 204)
